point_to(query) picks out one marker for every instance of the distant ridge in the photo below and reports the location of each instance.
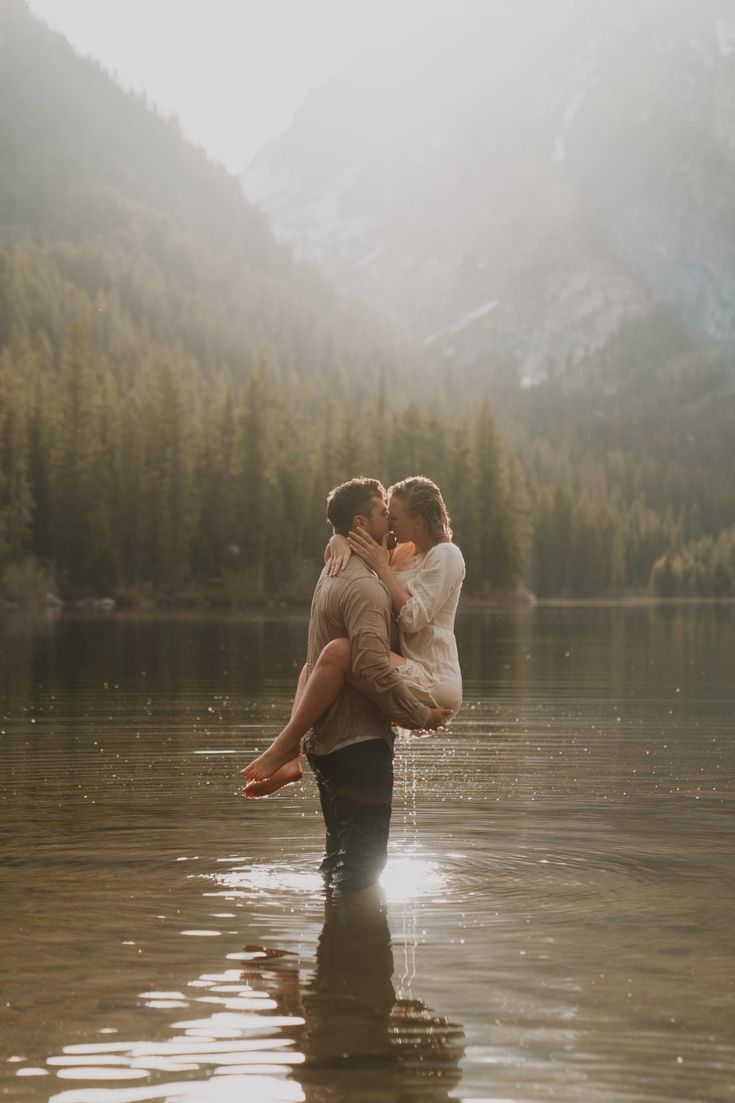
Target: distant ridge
(109, 200)
(176, 392)
(523, 183)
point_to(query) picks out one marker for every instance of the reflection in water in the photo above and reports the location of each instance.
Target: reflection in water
(275, 1036)
(374, 1045)
(561, 877)
(406, 878)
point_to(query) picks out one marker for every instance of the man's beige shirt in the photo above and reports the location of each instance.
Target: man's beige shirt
(356, 605)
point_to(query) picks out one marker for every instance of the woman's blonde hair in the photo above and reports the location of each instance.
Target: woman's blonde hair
(423, 498)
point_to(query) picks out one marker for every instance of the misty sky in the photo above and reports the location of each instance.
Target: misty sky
(233, 71)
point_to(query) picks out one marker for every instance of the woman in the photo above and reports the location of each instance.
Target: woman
(424, 578)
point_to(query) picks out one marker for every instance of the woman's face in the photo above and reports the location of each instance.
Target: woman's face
(403, 524)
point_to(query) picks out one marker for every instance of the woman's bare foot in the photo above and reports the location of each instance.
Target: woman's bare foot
(290, 772)
(271, 760)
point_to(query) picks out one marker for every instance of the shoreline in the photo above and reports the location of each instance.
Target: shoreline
(469, 606)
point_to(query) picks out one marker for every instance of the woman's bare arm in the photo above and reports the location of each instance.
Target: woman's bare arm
(337, 554)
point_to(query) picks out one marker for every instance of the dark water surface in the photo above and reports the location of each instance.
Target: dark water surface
(558, 918)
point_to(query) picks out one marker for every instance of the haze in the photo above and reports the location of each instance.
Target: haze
(232, 71)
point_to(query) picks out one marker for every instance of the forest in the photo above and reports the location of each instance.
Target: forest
(178, 393)
(167, 483)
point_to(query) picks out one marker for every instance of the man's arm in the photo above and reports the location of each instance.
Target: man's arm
(366, 612)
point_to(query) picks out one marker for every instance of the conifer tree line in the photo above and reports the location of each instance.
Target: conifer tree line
(178, 394)
(168, 484)
(632, 471)
(147, 451)
(172, 482)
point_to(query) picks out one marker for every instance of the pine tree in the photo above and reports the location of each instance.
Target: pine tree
(253, 486)
(72, 473)
(16, 499)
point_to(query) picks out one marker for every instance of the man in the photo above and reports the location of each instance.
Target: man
(350, 748)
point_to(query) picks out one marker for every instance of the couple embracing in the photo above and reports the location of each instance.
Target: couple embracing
(381, 651)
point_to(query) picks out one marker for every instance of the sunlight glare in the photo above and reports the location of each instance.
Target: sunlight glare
(242, 882)
(225, 1089)
(408, 878)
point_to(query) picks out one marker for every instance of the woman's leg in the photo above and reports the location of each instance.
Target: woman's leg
(321, 690)
(292, 770)
(279, 764)
(327, 680)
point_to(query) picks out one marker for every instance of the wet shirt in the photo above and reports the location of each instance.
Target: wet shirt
(426, 623)
(355, 605)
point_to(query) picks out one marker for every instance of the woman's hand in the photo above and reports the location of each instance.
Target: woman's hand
(338, 554)
(373, 555)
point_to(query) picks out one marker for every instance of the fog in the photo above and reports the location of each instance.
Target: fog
(527, 205)
(232, 71)
(513, 178)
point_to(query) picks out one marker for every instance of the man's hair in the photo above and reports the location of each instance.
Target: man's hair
(348, 499)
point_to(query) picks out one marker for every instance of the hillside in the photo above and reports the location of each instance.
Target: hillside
(519, 185)
(177, 392)
(129, 228)
(540, 194)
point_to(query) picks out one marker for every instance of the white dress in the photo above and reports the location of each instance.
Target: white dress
(426, 626)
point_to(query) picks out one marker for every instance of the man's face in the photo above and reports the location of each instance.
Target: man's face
(376, 524)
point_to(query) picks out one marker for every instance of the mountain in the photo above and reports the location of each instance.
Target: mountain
(522, 186)
(111, 220)
(177, 392)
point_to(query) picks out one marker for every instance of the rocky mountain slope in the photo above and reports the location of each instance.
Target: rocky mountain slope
(519, 185)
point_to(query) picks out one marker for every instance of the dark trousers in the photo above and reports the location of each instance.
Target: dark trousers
(356, 790)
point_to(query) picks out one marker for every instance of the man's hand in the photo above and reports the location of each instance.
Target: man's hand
(437, 718)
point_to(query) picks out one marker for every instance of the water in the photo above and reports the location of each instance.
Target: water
(557, 922)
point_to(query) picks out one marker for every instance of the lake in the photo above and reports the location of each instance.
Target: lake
(557, 920)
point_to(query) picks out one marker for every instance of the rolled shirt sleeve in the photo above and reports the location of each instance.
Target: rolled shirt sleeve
(366, 611)
(441, 574)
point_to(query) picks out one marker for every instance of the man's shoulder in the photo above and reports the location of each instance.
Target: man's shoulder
(356, 573)
(357, 579)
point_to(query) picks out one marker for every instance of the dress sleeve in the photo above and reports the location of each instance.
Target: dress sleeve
(440, 575)
(366, 612)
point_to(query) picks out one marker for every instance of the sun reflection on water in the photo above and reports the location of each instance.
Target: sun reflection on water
(409, 878)
(244, 881)
(243, 1047)
(247, 1038)
(226, 1088)
(404, 878)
